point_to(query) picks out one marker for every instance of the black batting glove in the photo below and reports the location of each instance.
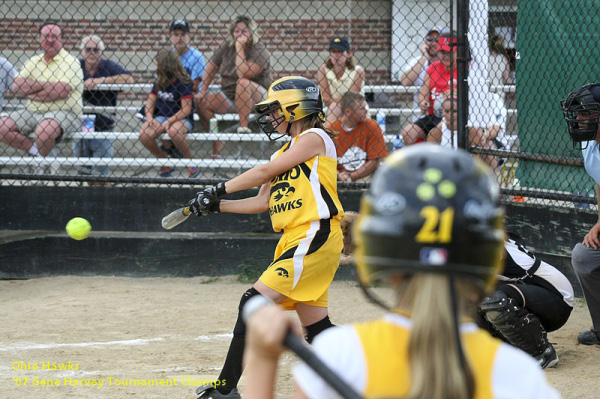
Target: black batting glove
(208, 200)
(216, 191)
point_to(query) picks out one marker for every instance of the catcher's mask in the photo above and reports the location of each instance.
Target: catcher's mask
(581, 110)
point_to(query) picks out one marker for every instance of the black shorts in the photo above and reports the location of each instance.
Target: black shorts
(546, 304)
(428, 122)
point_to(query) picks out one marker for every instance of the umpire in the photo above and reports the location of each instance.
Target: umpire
(581, 111)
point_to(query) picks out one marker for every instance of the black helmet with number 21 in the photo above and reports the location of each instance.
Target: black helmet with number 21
(289, 99)
(431, 210)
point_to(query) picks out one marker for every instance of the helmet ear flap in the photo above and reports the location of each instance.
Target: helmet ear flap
(290, 109)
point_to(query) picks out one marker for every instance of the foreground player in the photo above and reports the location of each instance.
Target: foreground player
(581, 110)
(298, 188)
(431, 226)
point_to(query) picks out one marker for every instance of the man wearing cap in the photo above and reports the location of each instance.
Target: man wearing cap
(413, 75)
(192, 59)
(338, 75)
(52, 82)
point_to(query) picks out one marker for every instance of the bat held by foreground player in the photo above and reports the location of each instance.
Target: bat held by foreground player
(176, 217)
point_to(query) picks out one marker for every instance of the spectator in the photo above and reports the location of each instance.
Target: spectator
(360, 143)
(53, 84)
(7, 77)
(192, 61)
(499, 67)
(97, 70)
(445, 133)
(169, 109)
(437, 84)
(581, 110)
(338, 75)
(243, 62)
(427, 345)
(414, 71)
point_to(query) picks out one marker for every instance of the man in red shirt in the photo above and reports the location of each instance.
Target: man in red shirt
(360, 143)
(438, 81)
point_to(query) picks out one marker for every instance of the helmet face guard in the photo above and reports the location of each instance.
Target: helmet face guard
(268, 119)
(581, 111)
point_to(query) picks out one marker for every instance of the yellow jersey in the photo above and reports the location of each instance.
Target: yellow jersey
(373, 359)
(308, 191)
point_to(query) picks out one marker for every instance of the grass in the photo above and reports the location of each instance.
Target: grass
(210, 280)
(249, 274)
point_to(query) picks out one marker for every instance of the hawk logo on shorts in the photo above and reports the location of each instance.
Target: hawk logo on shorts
(282, 272)
(281, 190)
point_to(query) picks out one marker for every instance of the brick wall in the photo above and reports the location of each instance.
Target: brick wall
(296, 32)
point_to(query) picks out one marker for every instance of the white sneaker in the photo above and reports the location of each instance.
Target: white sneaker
(244, 129)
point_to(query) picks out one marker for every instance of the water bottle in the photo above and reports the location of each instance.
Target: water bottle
(87, 123)
(398, 142)
(213, 125)
(381, 120)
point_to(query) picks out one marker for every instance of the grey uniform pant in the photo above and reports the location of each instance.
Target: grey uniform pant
(586, 263)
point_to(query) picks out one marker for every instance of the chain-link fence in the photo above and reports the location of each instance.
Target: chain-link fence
(91, 97)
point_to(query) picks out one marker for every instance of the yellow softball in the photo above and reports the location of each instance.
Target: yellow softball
(78, 228)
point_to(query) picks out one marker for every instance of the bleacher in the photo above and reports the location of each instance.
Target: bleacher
(241, 151)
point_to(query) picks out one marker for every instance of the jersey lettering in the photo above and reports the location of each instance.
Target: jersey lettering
(291, 174)
(521, 248)
(286, 206)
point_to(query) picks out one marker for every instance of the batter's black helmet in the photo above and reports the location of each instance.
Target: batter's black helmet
(581, 110)
(431, 210)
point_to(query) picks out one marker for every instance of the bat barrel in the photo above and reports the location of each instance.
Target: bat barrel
(175, 218)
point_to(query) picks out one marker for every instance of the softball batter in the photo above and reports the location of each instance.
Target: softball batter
(298, 187)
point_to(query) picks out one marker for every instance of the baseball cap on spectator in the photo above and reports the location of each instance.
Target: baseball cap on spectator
(339, 43)
(435, 29)
(446, 43)
(180, 24)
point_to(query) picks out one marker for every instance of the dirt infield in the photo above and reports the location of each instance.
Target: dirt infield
(112, 337)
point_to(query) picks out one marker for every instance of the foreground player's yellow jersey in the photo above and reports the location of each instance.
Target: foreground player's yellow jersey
(308, 191)
(388, 375)
(373, 359)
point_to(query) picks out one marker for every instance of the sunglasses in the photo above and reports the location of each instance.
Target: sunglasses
(94, 50)
(431, 39)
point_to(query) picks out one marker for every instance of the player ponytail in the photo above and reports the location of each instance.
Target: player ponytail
(435, 361)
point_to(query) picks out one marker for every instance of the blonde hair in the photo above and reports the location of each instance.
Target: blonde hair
(496, 44)
(250, 23)
(94, 38)
(350, 63)
(435, 361)
(169, 67)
